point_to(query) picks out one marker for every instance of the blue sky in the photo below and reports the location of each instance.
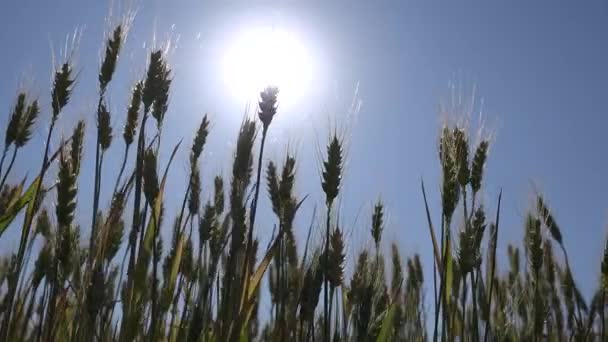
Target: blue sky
(540, 70)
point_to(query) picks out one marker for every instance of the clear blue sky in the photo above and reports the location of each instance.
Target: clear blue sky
(541, 70)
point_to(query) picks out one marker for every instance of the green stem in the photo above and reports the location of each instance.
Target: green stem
(122, 168)
(493, 270)
(134, 228)
(326, 282)
(464, 309)
(254, 207)
(155, 258)
(10, 166)
(602, 307)
(252, 215)
(96, 187)
(16, 271)
(475, 331)
(3, 157)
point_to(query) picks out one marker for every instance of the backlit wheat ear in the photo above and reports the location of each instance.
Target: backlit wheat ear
(195, 191)
(272, 182)
(242, 167)
(132, 114)
(268, 105)
(378, 222)
(215, 242)
(332, 170)
(477, 166)
(199, 140)
(62, 88)
(187, 263)
(155, 94)
(287, 179)
(104, 129)
(151, 187)
(77, 145)
(311, 290)
(12, 129)
(337, 259)
(207, 224)
(152, 81)
(28, 119)
(218, 195)
(108, 66)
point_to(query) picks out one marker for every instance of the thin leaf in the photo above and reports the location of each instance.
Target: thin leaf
(431, 229)
(387, 325)
(19, 204)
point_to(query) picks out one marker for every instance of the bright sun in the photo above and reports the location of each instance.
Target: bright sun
(262, 57)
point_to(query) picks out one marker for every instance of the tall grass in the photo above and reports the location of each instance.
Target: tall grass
(204, 284)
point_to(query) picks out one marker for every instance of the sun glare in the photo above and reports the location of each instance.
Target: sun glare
(262, 57)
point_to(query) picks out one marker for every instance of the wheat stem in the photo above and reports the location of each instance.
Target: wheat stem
(122, 168)
(493, 269)
(10, 165)
(15, 273)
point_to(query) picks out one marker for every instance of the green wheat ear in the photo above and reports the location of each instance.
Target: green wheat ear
(104, 128)
(43, 265)
(66, 192)
(108, 66)
(12, 129)
(461, 151)
(377, 222)
(24, 132)
(477, 166)
(43, 224)
(62, 88)
(77, 145)
(548, 219)
(7, 194)
(534, 243)
(450, 190)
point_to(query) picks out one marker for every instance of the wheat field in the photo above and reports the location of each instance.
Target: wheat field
(114, 278)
